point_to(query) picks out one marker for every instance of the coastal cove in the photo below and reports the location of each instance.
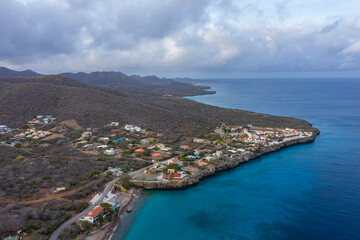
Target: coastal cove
(294, 193)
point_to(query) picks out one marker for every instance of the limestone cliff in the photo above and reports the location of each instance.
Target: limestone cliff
(221, 165)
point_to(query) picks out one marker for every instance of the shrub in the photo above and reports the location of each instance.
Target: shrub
(54, 150)
(147, 153)
(17, 145)
(125, 181)
(20, 157)
(86, 225)
(95, 172)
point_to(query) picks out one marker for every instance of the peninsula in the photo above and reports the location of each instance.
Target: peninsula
(74, 155)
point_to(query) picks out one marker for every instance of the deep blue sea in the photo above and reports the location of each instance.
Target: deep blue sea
(309, 191)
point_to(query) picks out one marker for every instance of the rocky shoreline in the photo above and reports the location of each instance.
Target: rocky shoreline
(106, 232)
(223, 165)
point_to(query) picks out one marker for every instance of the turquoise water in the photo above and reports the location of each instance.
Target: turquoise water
(309, 191)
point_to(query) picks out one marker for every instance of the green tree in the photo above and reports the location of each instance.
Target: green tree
(86, 225)
(107, 206)
(147, 153)
(125, 180)
(172, 166)
(101, 218)
(17, 145)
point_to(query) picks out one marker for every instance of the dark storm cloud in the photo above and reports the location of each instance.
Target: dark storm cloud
(39, 30)
(46, 28)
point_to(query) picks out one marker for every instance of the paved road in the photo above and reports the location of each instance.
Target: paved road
(57, 232)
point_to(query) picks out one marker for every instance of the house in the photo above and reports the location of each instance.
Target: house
(132, 128)
(198, 140)
(156, 155)
(86, 134)
(116, 171)
(164, 149)
(219, 153)
(118, 140)
(114, 124)
(103, 139)
(198, 151)
(59, 189)
(144, 141)
(93, 216)
(184, 146)
(209, 158)
(171, 170)
(102, 146)
(178, 177)
(140, 150)
(110, 152)
(87, 146)
(174, 161)
(201, 163)
(112, 199)
(3, 128)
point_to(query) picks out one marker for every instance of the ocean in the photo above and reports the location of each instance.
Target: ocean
(309, 191)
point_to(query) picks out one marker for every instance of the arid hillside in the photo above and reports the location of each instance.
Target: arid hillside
(23, 98)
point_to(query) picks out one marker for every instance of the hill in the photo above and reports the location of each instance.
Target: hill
(8, 73)
(134, 84)
(23, 98)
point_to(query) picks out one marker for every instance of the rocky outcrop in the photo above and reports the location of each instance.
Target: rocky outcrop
(221, 165)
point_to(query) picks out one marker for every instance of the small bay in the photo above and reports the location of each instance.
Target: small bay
(308, 191)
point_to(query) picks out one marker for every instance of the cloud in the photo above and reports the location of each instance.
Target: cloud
(179, 36)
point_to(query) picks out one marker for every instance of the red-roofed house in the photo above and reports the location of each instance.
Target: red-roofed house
(178, 177)
(156, 154)
(93, 216)
(201, 163)
(140, 150)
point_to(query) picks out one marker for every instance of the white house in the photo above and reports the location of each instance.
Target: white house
(112, 199)
(110, 152)
(114, 124)
(102, 146)
(93, 216)
(133, 128)
(198, 140)
(219, 153)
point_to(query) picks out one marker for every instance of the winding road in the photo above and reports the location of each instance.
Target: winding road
(57, 232)
(108, 187)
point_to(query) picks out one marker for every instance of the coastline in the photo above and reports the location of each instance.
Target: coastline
(107, 231)
(221, 166)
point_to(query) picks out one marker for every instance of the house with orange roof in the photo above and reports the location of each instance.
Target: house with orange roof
(178, 177)
(140, 150)
(201, 163)
(156, 155)
(93, 216)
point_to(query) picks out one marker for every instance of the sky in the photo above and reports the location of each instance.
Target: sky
(183, 38)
